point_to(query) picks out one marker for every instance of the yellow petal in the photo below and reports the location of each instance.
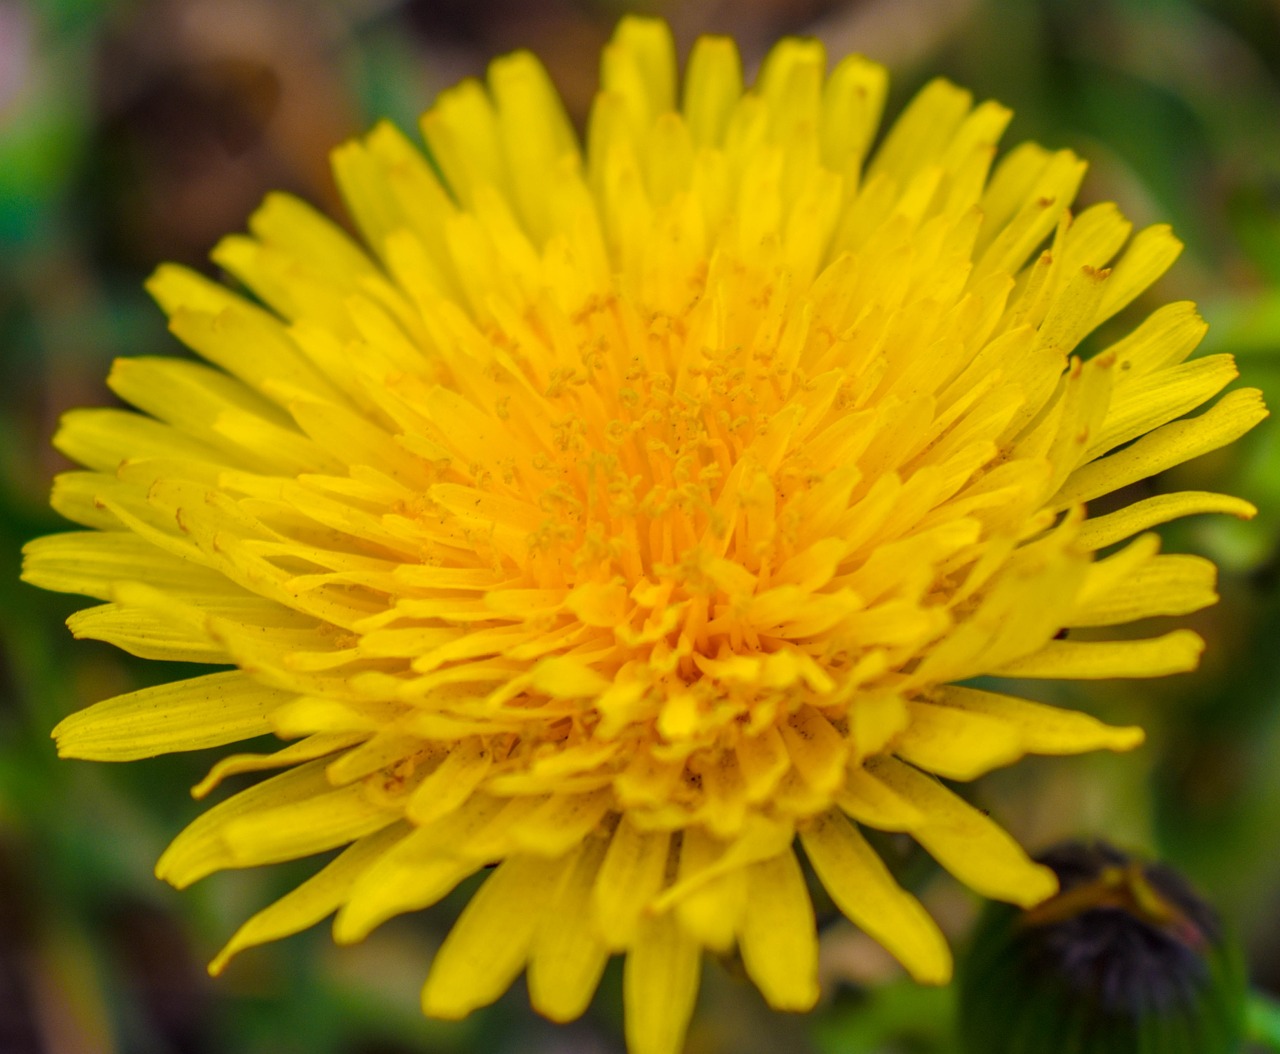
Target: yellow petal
(1110, 573)
(1050, 192)
(102, 438)
(817, 750)
(1158, 398)
(1009, 187)
(317, 746)
(876, 719)
(94, 562)
(777, 940)
(1042, 729)
(147, 633)
(318, 896)
(488, 945)
(218, 410)
(193, 714)
(536, 136)
(1071, 314)
(923, 130)
(346, 434)
(567, 957)
(462, 132)
(866, 893)
(630, 877)
(298, 829)
(965, 842)
(1175, 652)
(1017, 616)
(712, 908)
(1094, 237)
(562, 822)
(387, 749)
(362, 182)
(659, 986)
(565, 678)
(418, 871)
(1165, 338)
(249, 344)
(1100, 531)
(1176, 584)
(199, 850)
(763, 760)
(870, 801)
(463, 769)
(646, 45)
(712, 86)
(309, 235)
(1169, 445)
(1149, 255)
(852, 103)
(956, 744)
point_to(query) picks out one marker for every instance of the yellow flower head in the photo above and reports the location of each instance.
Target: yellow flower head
(619, 514)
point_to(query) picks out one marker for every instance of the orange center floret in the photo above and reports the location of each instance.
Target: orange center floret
(699, 522)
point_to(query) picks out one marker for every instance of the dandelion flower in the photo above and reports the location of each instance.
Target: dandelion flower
(628, 516)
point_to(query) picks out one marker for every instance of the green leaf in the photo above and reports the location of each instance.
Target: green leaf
(1263, 1020)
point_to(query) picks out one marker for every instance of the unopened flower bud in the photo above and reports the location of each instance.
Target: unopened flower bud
(1125, 959)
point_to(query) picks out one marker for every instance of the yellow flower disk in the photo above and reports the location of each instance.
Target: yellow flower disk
(623, 514)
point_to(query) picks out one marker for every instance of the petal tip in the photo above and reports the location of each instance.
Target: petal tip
(440, 1003)
(1040, 885)
(1126, 738)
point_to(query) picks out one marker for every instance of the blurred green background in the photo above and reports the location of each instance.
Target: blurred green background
(135, 132)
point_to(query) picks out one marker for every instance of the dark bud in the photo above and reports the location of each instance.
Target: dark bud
(1125, 959)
